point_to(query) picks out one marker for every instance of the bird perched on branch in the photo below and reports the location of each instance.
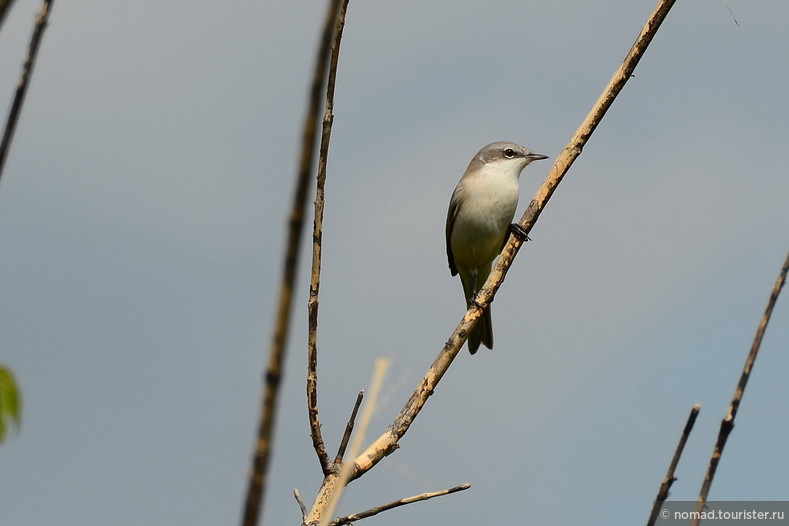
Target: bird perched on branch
(480, 217)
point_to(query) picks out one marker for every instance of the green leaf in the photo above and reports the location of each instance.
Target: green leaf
(10, 402)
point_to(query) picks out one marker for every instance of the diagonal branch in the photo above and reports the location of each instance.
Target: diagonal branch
(24, 82)
(670, 478)
(397, 503)
(727, 424)
(317, 240)
(270, 398)
(388, 442)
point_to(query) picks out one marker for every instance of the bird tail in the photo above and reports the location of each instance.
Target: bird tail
(482, 332)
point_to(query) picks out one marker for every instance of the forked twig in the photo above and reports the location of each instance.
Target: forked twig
(397, 503)
(270, 395)
(670, 478)
(727, 424)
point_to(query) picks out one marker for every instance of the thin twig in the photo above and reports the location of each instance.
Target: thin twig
(325, 514)
(670, 478)
(727, 424)
(24, 81)
(303, 508)
(274, 370)
(402, 502)
(317, 241)
(388, 442)
(348, 429)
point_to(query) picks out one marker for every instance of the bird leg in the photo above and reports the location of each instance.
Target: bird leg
(472, 300)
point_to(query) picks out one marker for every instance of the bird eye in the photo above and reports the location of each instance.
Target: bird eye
(509, 153)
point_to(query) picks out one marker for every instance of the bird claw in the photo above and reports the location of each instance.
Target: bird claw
(473, 302)
(519, 232)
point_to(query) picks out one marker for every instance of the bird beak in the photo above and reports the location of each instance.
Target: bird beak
(536, 157)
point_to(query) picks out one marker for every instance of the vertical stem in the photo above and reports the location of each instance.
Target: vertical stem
(270, 396)
(317, 240)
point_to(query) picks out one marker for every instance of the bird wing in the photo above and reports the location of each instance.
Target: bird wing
(454, 208)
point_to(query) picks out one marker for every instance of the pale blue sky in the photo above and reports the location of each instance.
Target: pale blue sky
(142, 216)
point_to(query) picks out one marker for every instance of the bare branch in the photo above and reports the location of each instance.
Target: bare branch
(348, 429)
(270, 397)
(24, 81)
(388, 442)
(670, 478)
(402, 502)
(727, 424)
(317, 239)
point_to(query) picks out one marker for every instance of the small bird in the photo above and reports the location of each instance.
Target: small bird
(479, 218)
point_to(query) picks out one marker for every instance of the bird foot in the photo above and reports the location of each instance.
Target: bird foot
(519, 232)
(473, 302)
